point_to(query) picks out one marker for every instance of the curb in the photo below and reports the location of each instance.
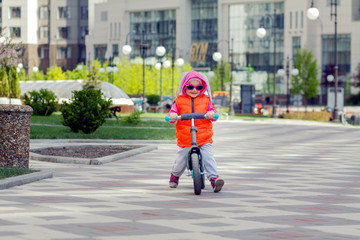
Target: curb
(24, 179)
(91, 161)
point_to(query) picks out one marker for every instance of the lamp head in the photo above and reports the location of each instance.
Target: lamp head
(160, 51)
(217, 56)
(126, 49)
(312, 13)
(167, 64)
(179, 62)
(261, 32)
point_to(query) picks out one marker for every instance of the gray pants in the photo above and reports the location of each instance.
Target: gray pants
(207, 156)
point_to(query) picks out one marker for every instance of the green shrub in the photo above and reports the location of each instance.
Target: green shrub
(153, 99)
(15, 85)
(133, 118)
(86, 111)
(4, 84)
(43, 102)
(323, 116)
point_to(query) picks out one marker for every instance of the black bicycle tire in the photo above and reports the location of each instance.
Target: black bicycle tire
(196, 173)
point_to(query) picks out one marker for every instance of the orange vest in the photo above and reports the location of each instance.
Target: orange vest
(204, 126)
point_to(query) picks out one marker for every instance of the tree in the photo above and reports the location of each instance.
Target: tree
(55, 73)
(9, 56)
(4, 84)
(356, 77)
(15, 85)
(94, 77)
(306, 83)
(222, 76)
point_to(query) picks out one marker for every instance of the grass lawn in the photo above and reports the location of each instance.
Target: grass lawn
(50, 127)
(12, 172)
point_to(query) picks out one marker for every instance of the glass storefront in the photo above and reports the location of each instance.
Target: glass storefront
(343, 52)
(249, 50)
(154, 28)
(204, 30)
(343, 58)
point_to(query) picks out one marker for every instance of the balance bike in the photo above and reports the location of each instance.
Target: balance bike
(194, 158)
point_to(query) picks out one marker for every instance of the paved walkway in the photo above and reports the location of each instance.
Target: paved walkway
(283, 181)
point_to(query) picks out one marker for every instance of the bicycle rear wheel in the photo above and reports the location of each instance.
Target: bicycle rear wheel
(196, 173)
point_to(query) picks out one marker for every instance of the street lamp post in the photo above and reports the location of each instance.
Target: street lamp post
(179, 62)
(313, 14)
(160, 52)
(261, 33)
(286, 72)
(126, 49)
(217, 57)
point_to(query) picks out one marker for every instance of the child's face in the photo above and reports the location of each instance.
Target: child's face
(195, 84)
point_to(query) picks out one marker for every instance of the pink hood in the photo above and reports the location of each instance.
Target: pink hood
(187, 76)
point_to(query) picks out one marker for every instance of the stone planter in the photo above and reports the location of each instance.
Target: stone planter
(14, 135)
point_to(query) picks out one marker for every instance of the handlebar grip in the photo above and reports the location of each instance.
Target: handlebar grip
(167, 118)
(215, 117)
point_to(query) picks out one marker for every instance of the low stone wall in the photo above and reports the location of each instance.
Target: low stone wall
(14, 135)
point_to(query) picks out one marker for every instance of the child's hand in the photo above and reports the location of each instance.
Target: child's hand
(210, 114)
(173, 116)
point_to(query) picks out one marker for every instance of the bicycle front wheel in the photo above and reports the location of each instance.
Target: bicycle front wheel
(196, 174)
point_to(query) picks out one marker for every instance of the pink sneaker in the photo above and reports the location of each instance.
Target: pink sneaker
(174, 181)
(217, 183)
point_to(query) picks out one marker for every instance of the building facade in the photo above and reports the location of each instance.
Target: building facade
(195, 29)
(55, 32)
(52, 31)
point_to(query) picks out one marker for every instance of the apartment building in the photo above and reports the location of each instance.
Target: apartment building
(198, 28)
(52, 31)
(55, 32)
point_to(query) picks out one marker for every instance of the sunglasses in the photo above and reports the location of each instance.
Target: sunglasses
(191, 87)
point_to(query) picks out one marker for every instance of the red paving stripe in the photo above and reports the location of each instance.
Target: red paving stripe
(155, 214)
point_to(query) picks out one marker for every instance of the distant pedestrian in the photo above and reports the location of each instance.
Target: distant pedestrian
(191, 98)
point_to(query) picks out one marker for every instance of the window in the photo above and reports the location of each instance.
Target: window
(43, 32)
(111, 31)
(15, 12)
(15, 32)
(44, 53)
(64, 32)
(115, 50)
(296, 45)
(100, 51)
(290, 20)
(0, 14)
(64, 13)
(84, 14)
(64, 52)
(103, 16)
(43, 12)
(296, 20)
(84, 31)
(82, 52)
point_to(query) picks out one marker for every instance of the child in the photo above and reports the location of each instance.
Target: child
(193, 86)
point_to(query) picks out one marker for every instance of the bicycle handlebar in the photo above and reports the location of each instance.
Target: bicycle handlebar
(189, 116)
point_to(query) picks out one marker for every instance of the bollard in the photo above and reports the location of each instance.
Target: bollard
(14, 135)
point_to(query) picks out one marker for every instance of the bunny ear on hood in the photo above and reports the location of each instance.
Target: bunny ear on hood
(187, 76)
